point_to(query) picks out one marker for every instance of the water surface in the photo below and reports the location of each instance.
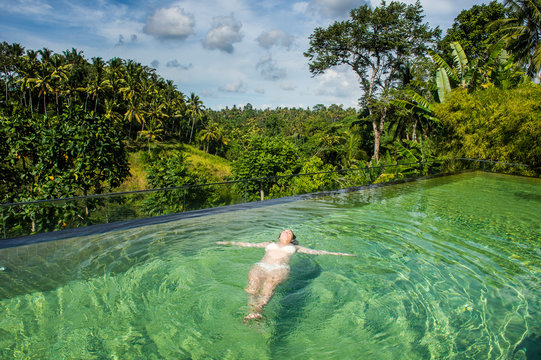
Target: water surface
(447, 268)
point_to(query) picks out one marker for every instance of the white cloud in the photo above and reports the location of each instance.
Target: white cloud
(269, 69)
(170, 23)
(275, 37)
(339, 84)
(155, 63)
(234, 87)
(224, 33)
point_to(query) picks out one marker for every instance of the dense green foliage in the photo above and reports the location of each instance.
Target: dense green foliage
(264, 157)
(334, 133)
(59, 156)
(168, 172)
(129, 94)
(493, 124)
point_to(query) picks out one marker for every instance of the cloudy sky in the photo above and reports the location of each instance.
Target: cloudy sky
(229, 52)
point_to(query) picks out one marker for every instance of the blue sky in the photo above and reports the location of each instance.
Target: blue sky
(229, 52)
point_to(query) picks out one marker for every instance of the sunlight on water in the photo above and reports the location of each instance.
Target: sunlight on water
(447, 268)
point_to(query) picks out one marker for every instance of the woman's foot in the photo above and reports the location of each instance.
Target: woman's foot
(253, 316)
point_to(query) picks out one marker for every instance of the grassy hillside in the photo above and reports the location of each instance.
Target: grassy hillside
(216, 168)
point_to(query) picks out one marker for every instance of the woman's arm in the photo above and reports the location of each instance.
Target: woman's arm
(304, 250)
(243, 244)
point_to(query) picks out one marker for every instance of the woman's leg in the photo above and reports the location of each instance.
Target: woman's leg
(255, 278)
(271, 281)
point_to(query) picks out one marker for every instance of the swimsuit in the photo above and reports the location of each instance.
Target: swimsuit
(290, 249)
(272, 267)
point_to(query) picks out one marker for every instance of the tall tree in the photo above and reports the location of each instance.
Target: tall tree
(374, 43)
(9, 60)
(195, 110)
(27, 71)
(98, 83)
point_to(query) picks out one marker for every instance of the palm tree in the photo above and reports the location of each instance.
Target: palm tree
(110, 111)
(9, 58)
(134, 112)
(130, 90)
(522, 33)
(115, 73)
(78, 73)
(156, 109)
(180, 111)
(98, 83)
(43, 81)
(209, 134)
(195, 111)
(27, 70)
(60, 76)
(153, 132)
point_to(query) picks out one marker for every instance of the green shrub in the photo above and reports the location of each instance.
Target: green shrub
(493, 124)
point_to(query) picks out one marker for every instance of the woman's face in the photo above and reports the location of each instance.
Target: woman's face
(286, 236)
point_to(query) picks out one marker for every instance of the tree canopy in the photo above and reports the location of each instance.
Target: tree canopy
(470, 29)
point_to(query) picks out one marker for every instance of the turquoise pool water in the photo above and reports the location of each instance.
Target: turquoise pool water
(447, 268)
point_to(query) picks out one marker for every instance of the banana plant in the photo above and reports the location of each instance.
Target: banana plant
(463, 72)
(499, 69)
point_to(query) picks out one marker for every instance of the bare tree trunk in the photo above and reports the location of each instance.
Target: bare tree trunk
(377, 139)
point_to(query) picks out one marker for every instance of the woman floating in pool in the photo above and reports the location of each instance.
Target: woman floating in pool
(273, 269)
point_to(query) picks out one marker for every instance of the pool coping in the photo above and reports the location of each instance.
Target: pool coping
(162, 219)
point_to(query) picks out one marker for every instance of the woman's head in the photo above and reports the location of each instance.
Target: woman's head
(287, 237)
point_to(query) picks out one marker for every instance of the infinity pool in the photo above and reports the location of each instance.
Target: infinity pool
(447, 268)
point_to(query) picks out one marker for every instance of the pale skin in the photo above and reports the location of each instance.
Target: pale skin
(273, 269)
